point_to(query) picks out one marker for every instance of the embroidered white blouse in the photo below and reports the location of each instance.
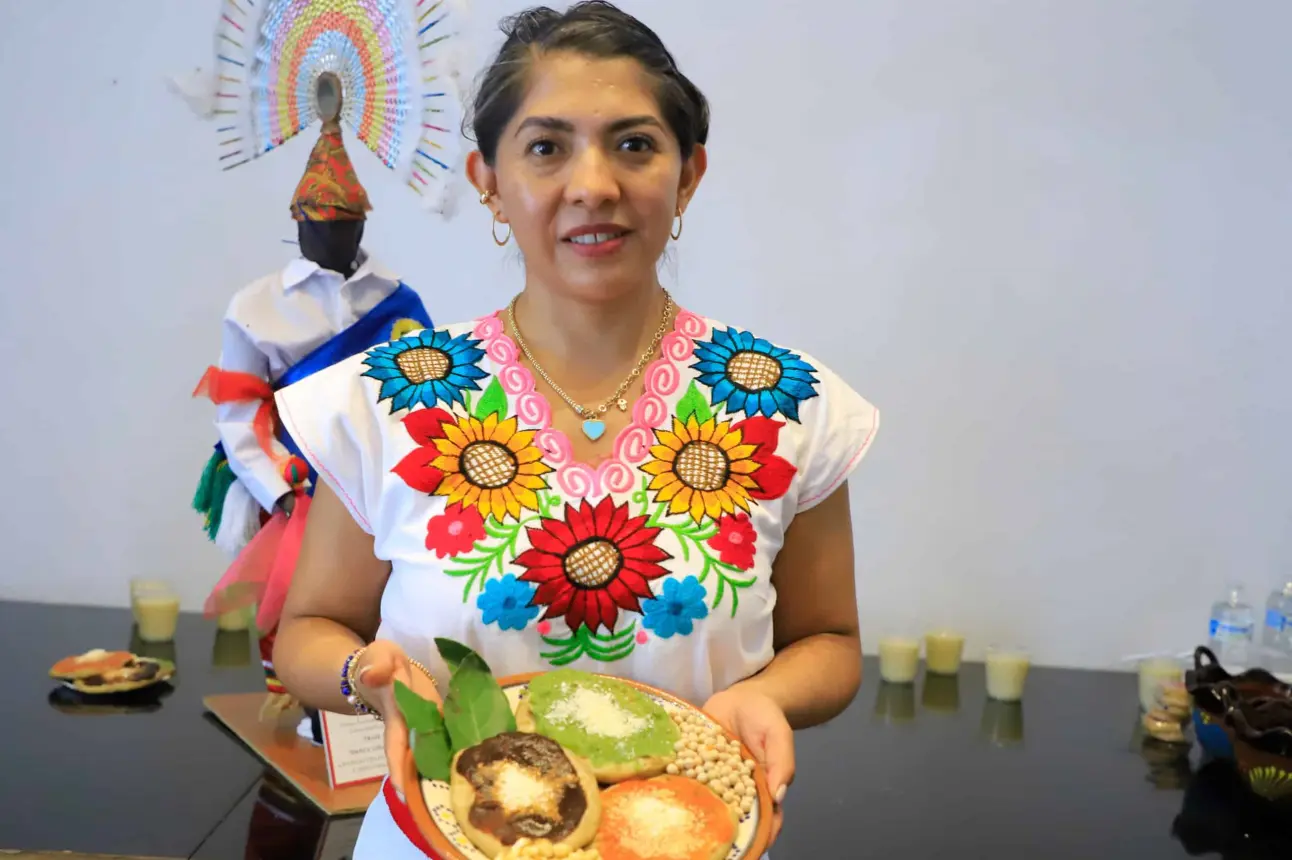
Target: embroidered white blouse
(655, 565)
(271, 324)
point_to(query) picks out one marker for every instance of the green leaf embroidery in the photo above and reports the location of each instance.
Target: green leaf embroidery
(694, 403)
(693, 537)
(500, 548)
(605, 648)
(427, 735)
(494, 400)
(476, 708)
(489, 554)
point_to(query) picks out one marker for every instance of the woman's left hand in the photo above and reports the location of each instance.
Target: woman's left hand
(761, 725)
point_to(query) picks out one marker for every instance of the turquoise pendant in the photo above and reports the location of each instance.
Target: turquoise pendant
(594, 429)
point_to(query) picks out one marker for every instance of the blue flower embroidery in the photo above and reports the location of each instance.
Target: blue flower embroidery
(675, 610)
(505, 602)
(426, 368)
(750, 375)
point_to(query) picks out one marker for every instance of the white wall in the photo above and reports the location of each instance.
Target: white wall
(1044, 237)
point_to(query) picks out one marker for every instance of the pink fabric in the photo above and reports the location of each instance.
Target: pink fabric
(284, 566)
(263, 570)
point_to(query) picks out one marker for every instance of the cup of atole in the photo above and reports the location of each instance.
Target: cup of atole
(235, 620)
(899, 659)
(1007, 669)
(156, 609)
(943, 650)
(1156, 671)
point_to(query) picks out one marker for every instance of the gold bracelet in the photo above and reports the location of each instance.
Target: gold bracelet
(350, 686)
(426, 672)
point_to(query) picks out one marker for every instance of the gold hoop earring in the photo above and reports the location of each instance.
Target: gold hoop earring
(485, 196)
(677, 234)
(493, 229)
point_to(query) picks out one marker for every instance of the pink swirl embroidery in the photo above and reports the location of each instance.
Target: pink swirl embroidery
(690, 325)
(534, 411)
(555, 446)
(632, 445)
(617, 476)
(662, 378)
(488, 328)
(578, 481)
(650, 411)
(676, 347)
(503, 352)
(515, 380)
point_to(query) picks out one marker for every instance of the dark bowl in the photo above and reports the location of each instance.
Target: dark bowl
(1260, 728)
(1202, 682)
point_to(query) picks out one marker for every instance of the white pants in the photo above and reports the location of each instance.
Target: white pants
(381, 839)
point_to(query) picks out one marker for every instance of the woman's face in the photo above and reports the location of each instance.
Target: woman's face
(589, 177)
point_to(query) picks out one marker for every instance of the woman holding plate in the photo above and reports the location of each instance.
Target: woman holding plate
(593, 476)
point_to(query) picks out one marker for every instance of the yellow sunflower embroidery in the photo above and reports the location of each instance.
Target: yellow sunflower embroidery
(702, 469)
(488, 465)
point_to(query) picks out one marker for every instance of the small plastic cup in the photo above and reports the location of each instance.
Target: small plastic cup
(155, 604)
(899, 659)
(235, 620)
(1155, 671)
(943, 651)
(1007, 670)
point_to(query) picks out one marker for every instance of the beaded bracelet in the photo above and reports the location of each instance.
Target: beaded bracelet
(350, 689)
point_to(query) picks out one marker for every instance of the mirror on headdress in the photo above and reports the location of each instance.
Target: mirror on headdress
(327, 96)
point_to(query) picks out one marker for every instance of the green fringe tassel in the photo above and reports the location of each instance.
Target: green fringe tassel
(213, 486)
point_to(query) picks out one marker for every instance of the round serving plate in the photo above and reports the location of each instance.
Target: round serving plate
(433, 815)
(165, 674)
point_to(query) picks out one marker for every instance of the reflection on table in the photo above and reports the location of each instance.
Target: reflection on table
(1051, 776)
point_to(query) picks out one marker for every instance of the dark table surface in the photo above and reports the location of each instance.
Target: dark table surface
(929, 770)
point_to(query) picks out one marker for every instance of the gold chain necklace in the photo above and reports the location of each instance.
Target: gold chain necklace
(593, 425)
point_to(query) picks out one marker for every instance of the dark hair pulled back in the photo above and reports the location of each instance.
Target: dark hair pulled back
(593, 28)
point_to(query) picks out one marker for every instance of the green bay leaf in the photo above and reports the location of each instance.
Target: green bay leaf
(428, 736)
(476, 708)
(455, 652)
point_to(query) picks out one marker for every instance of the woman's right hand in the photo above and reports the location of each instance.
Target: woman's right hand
(381, 664)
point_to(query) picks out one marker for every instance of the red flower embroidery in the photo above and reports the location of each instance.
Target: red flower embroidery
(593, 563)
(455, 531)
(774, 473)
(735, 541)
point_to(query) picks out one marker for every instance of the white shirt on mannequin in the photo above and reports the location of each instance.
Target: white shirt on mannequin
(271, 324)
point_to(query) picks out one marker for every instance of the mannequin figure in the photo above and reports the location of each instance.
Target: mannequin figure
(331, 302)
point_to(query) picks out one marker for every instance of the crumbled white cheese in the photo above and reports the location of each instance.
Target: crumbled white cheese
(520, 790)
(596, 712)
(651, 823)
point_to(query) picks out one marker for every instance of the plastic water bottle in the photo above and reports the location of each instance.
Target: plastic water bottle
(1276, 633)
(1233, 629)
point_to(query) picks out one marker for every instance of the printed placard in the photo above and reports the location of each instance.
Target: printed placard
(355, 749)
